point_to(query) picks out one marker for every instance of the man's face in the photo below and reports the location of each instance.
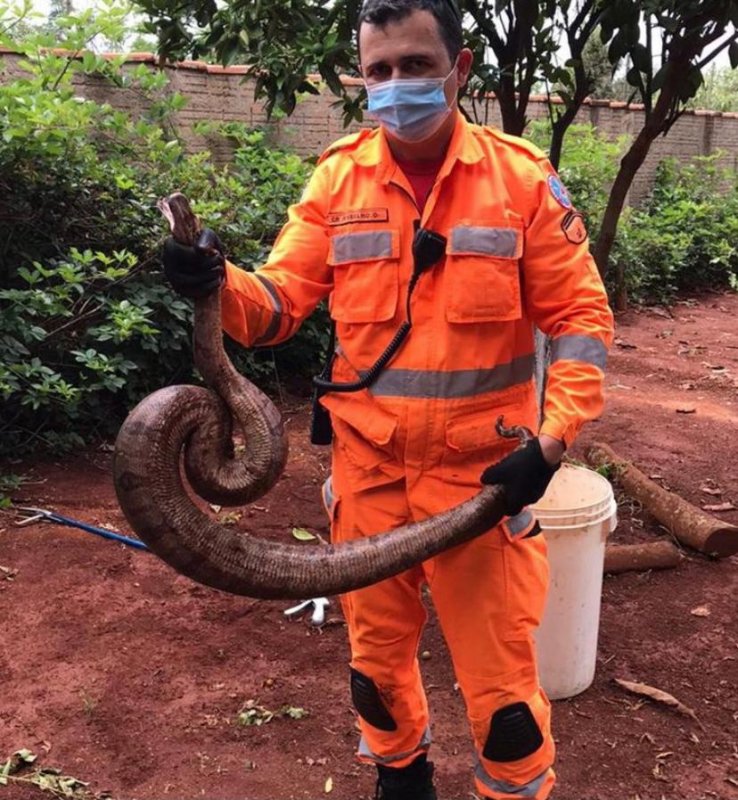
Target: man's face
(411, 47)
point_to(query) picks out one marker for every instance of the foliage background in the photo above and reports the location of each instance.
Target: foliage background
(87, 324)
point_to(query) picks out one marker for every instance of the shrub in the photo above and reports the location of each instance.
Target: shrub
(683, 238)
(87, 324)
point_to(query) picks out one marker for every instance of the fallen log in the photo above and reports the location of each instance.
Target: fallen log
(689, 524)
(641, 557)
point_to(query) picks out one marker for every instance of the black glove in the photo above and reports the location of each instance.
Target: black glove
(195, 271)
(524, 473)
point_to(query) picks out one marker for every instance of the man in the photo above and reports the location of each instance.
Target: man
(507, 250)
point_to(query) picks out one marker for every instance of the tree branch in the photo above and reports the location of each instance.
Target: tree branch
(705, 61)
(582, 15)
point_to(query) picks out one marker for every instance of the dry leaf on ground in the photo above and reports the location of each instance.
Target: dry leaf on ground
(659, 696)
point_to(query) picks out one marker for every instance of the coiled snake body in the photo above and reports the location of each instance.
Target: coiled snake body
(188, 430)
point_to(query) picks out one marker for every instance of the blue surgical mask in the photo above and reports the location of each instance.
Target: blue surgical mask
(411, 109)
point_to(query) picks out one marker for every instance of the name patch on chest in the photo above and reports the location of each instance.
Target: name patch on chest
(358, 215)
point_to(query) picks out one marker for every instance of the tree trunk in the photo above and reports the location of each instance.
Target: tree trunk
(656, 122)
(557, 143)
(691, 526)
(513, 114)
(641, 557)
(629, 166)
(561, 125)
(621, 287)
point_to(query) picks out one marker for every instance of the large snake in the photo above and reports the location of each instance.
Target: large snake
(188, 429)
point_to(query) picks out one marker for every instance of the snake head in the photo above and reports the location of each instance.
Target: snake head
(519, 432)
(183, 222)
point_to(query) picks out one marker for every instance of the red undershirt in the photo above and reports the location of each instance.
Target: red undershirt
(422, 176)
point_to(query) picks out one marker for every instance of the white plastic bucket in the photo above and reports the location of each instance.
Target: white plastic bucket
(576, 515)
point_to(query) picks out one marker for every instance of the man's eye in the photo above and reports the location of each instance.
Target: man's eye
(378, 74)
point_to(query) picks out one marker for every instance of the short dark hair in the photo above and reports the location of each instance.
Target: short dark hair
(446, 13)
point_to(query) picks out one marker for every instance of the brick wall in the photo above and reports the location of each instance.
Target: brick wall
(216, 93)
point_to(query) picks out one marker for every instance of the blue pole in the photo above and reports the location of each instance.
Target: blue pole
(73, 523)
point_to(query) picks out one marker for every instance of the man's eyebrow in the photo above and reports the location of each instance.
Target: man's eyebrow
(407, 57)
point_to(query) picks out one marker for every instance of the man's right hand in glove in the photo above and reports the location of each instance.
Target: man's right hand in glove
(526, 472)
(195, 271)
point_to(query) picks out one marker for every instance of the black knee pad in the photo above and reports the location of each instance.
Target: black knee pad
(368, 702)
(513, 734)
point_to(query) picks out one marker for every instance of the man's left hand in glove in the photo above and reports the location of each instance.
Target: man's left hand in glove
(526, 472)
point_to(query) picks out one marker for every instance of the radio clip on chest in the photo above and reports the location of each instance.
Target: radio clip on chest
(428, 248)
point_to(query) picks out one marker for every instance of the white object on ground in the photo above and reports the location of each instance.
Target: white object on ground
(318, 604)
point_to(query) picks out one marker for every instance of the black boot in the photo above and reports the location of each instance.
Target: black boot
(413, 782)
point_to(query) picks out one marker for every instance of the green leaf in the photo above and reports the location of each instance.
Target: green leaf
(641, 58)
(633, 76)
(294, 712)
(26, 756)
(303, 535)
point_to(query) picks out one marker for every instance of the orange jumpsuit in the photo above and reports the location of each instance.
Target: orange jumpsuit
(416, 442)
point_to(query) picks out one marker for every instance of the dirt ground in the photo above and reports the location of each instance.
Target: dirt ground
(124, 675)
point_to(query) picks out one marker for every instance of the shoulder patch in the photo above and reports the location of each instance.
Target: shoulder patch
(558, 190)
(574, 227)
(350, 142)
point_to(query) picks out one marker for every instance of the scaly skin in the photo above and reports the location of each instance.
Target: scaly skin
(198, 423)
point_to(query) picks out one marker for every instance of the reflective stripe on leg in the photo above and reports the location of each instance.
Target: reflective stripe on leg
(365, 752)
(539, 788)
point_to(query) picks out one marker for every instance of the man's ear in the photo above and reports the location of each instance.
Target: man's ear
(463, 66)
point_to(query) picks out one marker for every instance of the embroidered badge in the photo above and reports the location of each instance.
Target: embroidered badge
(359, 215)
(574, 227)
(558, 190)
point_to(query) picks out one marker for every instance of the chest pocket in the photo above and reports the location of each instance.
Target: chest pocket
(366, 274)
(482, 277)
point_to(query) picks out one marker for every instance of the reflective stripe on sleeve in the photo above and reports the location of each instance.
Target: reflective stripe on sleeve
(276, 320)
(455, 383)
(424, 744)
(579, 348)
(501, 242)
(348, 247)
(529, 789)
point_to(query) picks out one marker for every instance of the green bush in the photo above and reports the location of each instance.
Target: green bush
(683, 238)
(87, 324)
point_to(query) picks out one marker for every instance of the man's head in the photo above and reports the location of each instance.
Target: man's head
(380, 13)
(413, 39)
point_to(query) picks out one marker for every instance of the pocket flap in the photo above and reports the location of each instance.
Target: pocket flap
(372, 422)
(465, 435)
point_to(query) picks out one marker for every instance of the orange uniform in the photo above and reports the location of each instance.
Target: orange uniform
(416, 441)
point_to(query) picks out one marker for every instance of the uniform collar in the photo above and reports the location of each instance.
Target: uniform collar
(374, 150)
